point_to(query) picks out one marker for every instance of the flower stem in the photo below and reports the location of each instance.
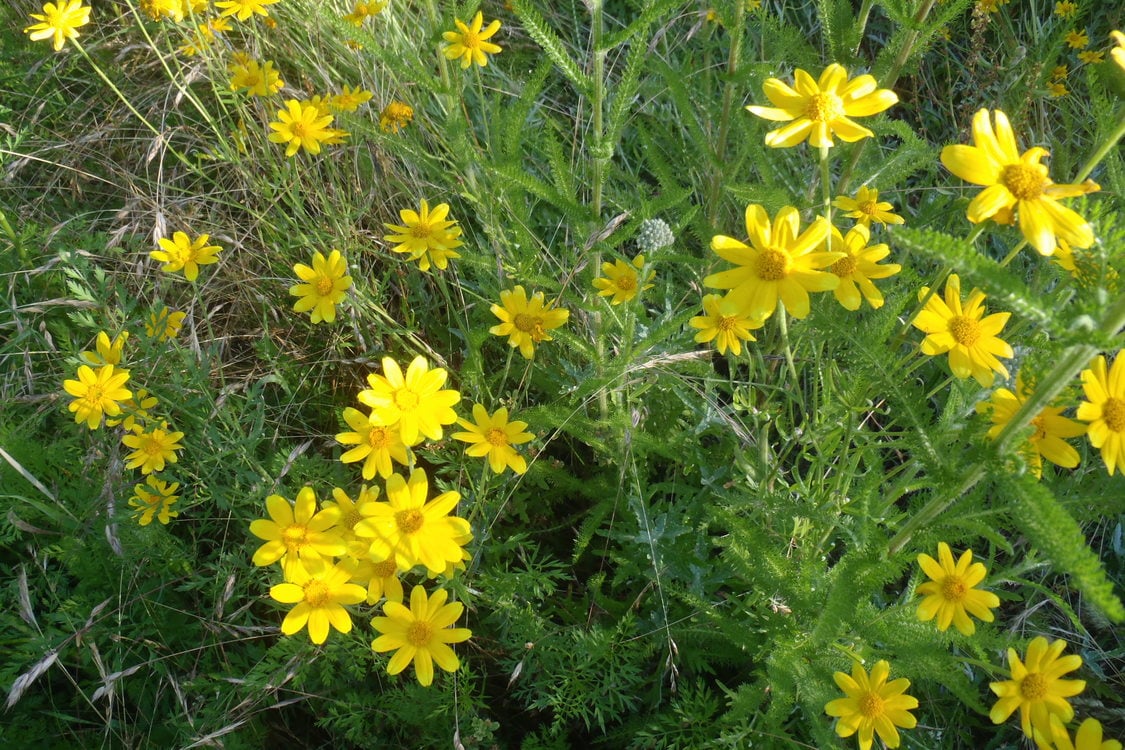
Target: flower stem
(783, 325)
(888, 81)
(1104, 149)
(733, 56)
(826, 186)
(597, 103)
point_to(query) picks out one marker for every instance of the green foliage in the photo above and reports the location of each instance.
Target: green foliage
(701, 539)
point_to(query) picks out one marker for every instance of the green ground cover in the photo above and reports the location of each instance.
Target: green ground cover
(626, 374)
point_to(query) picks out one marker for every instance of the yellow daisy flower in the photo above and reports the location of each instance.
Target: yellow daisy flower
(1065, 9)
(526, 321)
(183, 253)
(243, 9)
(383, 582)
(858, 267)
(866, 208)
(106, 352)
(297, 533)
(1019, 182)
(160, 9)
(1118, 51)
(818, 109)
(726, 323)
(971, 339)
(781, 262)
(376, 444)
(1050, 427)
(301, 125)
(1092, 57)
(1104, 409)
(1088, 737)
(420, 634)
(469, 42)
(493, 437)
(96, 393)
(155, 499)
(1077, 39)
(324, 285)
(351, 513)
(349, 99)
(426, 236)
(412, 530)
(59, 22)
(395, 116)
(950, 594)
(622, 281)
(164, 324)
(255, 79)
(872, 705)
(152, 449)
(319, 593)
(414, 401)
(1036, 688)
(1056, 89)
(363, 11)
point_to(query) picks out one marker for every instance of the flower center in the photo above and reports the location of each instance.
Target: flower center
(1023, 181)
(385, 569)
(377, 436)
(421, 231)
(406, 400)
(324, 286)
(316, 593)
(95, 394)
(845, 266)
(1113, 412)
(299, 129)
(626, 283)
(727, 324)
(953, 589)
(419, 633)
(867, 207)
(526, 323)
(825, 107)
(1040, 429)
(871, 705)
(409, 521)
(773, 265)
(965, 331)
(294, 537)
(349, 521)
(497, 437)
(153, 446)
(1034, 686)
(470, 40)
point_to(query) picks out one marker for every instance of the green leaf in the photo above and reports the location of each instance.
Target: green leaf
(1042, 518)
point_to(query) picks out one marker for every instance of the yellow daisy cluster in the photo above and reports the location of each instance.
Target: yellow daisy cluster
(346, 552)
(779, 263)
(99, 394)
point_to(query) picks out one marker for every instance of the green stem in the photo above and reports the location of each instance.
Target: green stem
(1073, 360)
(888, 81)
(1015, 251)
(733, 56)
(861, 22)
(597, 102)
(826, 186)
(1104, 149)
(934, 508)
(783, 326)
